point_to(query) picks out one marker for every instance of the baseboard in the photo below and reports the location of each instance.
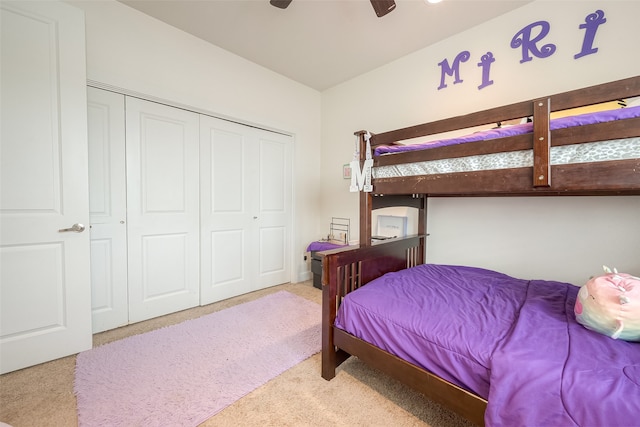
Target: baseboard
(303, 277)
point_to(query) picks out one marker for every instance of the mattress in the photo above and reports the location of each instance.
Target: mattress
(616, 149)
(509, 340)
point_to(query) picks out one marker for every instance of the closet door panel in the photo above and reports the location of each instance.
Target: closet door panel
(165, 265)
(245, 208)
(227, 258)
(227, 222)
(274, 211)
(226, 155)
(163, 209)
(108, 209)
(272, 251)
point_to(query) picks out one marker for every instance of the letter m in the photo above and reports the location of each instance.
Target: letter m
(361, 179)
(446, 70)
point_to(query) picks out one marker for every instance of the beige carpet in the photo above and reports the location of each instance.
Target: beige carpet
(358, 396)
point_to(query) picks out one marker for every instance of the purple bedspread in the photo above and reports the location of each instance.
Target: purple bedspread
(514, 342)
(323, 246)
(559, 123)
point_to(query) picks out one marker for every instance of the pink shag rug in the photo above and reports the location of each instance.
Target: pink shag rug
(181, 375)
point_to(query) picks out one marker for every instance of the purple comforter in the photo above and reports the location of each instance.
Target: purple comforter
(323, 246)
(514, 342)
(560, 123)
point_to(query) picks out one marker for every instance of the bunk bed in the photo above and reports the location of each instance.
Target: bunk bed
(400, 178)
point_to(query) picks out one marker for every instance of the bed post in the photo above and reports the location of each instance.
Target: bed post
(365, 218)
(422, 227)
(541, 143)
(329, 353)
(365, 198)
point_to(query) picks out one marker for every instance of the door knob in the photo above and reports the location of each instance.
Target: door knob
(78, 228)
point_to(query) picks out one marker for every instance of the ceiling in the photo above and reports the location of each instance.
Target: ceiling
(321, 43)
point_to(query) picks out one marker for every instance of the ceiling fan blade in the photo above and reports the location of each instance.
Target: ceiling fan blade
(382, 7)
(282, 4)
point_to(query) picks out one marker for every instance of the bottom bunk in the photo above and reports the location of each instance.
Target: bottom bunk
(479, 342)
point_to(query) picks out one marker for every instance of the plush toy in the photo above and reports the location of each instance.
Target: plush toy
(610, 304)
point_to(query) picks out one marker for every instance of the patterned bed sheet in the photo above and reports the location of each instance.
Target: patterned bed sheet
(616, 149)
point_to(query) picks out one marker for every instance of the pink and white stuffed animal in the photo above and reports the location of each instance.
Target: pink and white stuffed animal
(610, 304)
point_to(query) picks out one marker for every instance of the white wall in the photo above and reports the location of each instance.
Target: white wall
(550, 238)
(133, 51)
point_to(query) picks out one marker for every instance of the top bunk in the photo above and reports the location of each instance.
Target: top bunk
(594, 153)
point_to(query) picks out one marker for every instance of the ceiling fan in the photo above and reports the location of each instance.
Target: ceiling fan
(381, 7)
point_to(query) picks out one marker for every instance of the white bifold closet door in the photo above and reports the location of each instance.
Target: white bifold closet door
(108, 210)
(186, 209)
(162, 165)
(245, 208)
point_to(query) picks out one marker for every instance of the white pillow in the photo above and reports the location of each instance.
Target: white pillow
(633, 102)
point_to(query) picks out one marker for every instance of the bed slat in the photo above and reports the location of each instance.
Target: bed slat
(541, 143)
(595, 132)
(611, 91)
(620, 177)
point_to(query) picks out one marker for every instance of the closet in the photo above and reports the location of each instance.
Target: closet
(186, 209)
(245, 187)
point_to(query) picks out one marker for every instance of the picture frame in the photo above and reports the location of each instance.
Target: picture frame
(346, 171)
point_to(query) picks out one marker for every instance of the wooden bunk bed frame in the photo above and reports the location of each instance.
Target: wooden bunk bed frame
(347, 269)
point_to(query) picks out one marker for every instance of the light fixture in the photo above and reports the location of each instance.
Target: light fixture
(432, 1)
(280, 4)
(382, 7)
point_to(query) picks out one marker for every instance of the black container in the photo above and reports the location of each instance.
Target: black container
(316, 269)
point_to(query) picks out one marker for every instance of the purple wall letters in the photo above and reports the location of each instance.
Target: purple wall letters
(529, 40)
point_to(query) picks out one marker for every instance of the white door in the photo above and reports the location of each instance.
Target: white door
(108, 210)
(273, 205)
(245, 208)
(162, 208)
(45, 299)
